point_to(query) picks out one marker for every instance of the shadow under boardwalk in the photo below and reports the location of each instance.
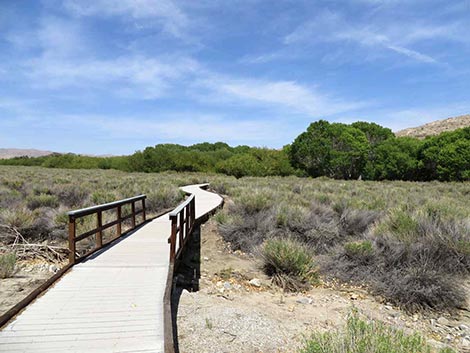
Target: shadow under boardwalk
(187, 276)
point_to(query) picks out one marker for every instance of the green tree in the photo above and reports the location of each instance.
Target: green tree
(446, 156)
(334, 150)
(394, 158)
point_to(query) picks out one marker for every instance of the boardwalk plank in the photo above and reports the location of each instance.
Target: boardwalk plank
(112, 302)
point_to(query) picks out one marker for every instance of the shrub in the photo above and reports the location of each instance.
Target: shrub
(163, 197)
(42, 200)
(356, 222)
(289, 263)
(72, 195)
(361, 336)
(359, 251)
(417, 288)
(247, 232)
(18, 218)
(7, 265)
(254, 202)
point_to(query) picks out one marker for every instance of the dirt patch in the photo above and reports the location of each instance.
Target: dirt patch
(29, 276)
(237, 309)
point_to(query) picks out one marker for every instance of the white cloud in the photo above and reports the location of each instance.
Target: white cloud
(173, 127)
(394, 36)
(137, 76)
(173, 19)
(288, 95)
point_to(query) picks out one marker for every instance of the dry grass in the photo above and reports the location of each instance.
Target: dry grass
(407, 241)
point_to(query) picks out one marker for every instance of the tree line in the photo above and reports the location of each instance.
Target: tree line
(342, 151)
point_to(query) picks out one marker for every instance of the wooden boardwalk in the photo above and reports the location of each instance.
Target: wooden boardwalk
(111, 302)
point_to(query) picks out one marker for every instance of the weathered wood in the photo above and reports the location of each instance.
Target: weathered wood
(99, 233)
(174, 226)
(133, 214)
(119, 219)
(144, 215)
(72, 229)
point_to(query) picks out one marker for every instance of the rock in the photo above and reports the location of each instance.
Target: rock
(388, 307)
(443, 321)
(206, 258)
(53, 268)
(463, 327)
(227, 285)
(354, 296)
(304, 300)
(255, 282)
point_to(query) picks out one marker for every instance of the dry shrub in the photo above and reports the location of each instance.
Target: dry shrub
(7, 265)
(424, 272)
(289, 263)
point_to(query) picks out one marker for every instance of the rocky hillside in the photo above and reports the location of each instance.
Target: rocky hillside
(436, 127)
(16, 152)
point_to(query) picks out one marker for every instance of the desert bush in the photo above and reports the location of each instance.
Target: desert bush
(19, 218)
(289, 263)
(246, 232)
(360, 336)
(42, 200)
(356, 222)
(360, 252)
(103, 196)
(7, 265)
(253, 202)
(163, 197)
(72, 195)
(420, 270)
(416, 288)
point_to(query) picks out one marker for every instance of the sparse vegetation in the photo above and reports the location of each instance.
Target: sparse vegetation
(7, 265)
(408, 242)
(361, 336)
(34, 200)
(290, 263)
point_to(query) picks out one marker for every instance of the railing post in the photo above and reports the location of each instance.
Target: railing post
(187, 211)
(72, 229)
(143, 210)
(182, 235)
(193, 211)
(99, 233)
(174, 225)
(118, 226)
(133, 214)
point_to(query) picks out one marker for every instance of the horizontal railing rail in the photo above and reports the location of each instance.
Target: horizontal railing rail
(182, 220)
(100, 227)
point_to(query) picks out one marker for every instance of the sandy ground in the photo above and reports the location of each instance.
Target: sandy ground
(231, 314)
(29, 275)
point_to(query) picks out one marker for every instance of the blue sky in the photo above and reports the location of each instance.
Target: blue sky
(112, 77)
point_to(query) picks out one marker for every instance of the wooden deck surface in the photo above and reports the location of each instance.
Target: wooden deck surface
(112, 302)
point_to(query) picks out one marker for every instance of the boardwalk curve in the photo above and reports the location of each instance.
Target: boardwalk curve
(112, 301)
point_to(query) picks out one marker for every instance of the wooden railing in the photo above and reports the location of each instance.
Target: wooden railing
(100, 227)
(182, 219)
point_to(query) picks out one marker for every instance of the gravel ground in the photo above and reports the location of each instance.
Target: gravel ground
(237, 309)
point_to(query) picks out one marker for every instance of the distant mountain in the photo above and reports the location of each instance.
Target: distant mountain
(17, 152)
(436, 127)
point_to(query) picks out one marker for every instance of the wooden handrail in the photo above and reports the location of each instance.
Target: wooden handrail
(100, 227)
(182, 220)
